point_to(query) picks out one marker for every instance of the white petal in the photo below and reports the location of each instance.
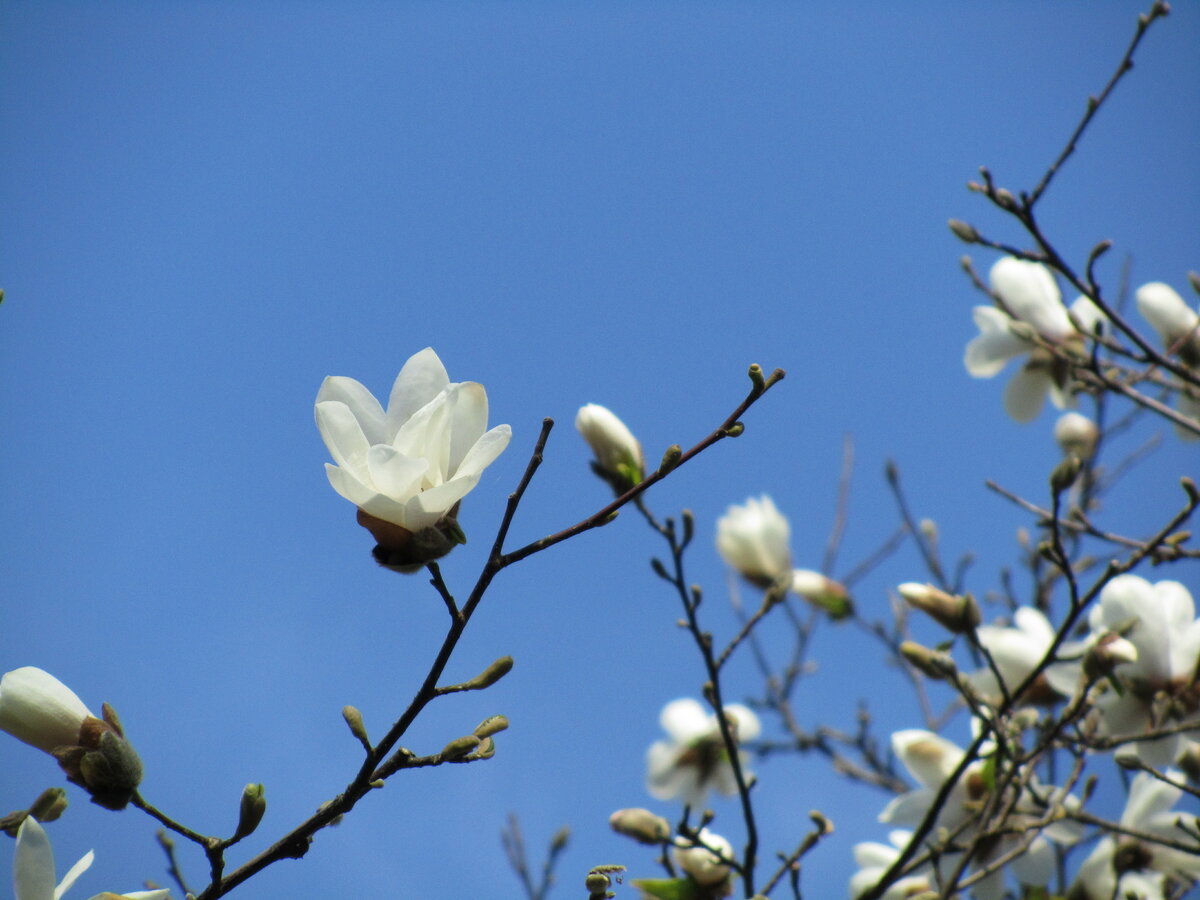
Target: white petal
(33, 864)
(1025, 393)
(1031, 294)
(468, 421)
(365, 498)
(908, 809)
(343, 435)
(1166, 311)
(73, 873)
(995, 345)
(748, 727)
(1148, 797)
(485, 451)
(421, 379)
(393, 474)
(684, 720)
(1036, 865)
(37, 708)
(929, 757)
(361, 403)
(426, 434)
(1089, 316)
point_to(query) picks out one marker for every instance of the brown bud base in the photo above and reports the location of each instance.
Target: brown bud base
(405, 551)
(103, 763)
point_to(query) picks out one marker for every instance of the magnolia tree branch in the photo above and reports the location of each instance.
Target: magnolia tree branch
(384, 758)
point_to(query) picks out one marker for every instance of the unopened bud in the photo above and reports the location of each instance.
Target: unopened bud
(935, 664)
(957, 614)
(1076, 435)
(485, 750)
(964, 231)
(1065, 473)
(618, 453)
(823, 592)
(1193, 280)
(490, 675)
(670, 459)
(641, 825)
(929, 530)
(460, 747)
(50, 804)
(737, 429)
(491, 725)
(354, 720)
(1006, 200)
(104, 762)
(597, 883)
(559, 841)
(1189, 762)
(756, 376)
(253, 807)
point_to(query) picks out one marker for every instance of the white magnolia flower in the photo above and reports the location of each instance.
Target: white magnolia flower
(1141, 869)
(1179, 327)
(1176, 323)
(618, 454)
(1017, 651)
(704, 866)
(411, 465)
(40, 710)
(1076, 435)
(931, 760)
(753, 538)
(694, 758)
(1166, 636)
(1031, 295)
(33, 869)
(874, 859)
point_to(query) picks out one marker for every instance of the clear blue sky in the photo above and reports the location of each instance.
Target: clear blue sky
(211, 206)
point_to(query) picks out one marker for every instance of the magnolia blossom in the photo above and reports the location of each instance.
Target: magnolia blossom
(701, 863)
(874, 859)
(33, 869)
(1017, 651)
(40, 710)
(619, 457)
(931, 760)
(1179, 327)
(694, 758)
(753, 538)
(1166, 636)
(1127, 867)
(1076, 435)
(1030, 294)
(406, 469)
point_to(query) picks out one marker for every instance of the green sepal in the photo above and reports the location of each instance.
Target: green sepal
(668, 888)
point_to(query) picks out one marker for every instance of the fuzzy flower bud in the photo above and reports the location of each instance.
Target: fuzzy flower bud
(823, 592)
(40, 710)
(641, 825)
(619, 460)
(1076, 435)
(958, 614)
(702, 864)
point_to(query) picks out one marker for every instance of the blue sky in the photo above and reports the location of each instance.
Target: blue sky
(212, 206)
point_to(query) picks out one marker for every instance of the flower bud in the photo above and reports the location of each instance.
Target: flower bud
(823, 592)
(40, 710)
(490, 675)
(251, 811)
(491, 725)
(753, 538)
(619, 460)
(641, 825)
(957, 614)
(597, 883)
(1064, 474)
(1176, 322)
(1076, 435)
(933, 663)
(354, 720)
(964, 231)
(460, 747)
(702, 864)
